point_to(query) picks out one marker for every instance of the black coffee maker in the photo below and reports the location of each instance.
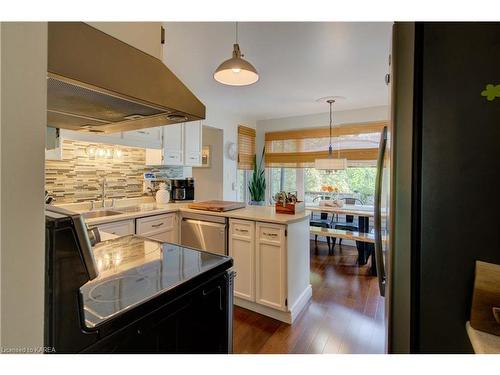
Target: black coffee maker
(182, 190)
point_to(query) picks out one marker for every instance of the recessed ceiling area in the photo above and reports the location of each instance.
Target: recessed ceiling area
(298, 62)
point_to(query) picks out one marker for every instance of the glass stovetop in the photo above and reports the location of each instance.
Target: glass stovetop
(133, 269)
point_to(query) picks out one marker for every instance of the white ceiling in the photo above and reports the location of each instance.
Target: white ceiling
(298, 62)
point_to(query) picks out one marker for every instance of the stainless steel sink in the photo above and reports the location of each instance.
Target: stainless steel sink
(100, 213)
(130, 209)
(137, 208)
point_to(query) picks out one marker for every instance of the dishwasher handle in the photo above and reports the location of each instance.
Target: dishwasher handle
(204, 223)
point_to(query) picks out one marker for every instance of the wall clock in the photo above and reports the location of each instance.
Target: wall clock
(231, 150)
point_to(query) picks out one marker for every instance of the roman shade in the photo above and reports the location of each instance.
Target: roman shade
(358, 143)
(246, 147)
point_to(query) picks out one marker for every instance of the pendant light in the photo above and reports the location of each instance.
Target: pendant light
(236, 71)
(330, 163)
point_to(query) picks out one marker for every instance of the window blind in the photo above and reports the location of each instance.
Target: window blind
(246, 147)
(358, 143)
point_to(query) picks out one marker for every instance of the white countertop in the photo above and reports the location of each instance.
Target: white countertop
(254, 213)
(482, 342)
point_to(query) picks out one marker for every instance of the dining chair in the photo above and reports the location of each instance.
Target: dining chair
(348, 224)
(323, 222)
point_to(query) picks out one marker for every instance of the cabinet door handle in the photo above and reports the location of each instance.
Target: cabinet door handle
(157, 225)
(218, 289)
(142, 132)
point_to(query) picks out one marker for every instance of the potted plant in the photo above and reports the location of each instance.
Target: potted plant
(257, 184)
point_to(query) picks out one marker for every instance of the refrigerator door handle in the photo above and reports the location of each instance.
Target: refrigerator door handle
(379, 255)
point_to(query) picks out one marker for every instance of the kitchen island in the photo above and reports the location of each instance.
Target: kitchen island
(270, 250)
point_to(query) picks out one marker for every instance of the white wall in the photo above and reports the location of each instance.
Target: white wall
(228, 122)
(209, 181)
(22, 235)
(319, 120)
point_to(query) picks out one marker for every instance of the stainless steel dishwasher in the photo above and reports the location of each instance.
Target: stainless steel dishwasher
(205, 232)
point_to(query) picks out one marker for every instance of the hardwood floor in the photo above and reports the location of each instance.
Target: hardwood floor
(345, 315)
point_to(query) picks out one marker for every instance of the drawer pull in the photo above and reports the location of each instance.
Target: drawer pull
(241, 230)
(270, 234)
(157, 225)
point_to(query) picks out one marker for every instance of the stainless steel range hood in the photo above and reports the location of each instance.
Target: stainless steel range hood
(97, 83)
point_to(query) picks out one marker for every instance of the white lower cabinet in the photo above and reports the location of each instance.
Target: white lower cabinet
(270, 260)
(118, 228)
(242, 250)
(159, 227)
(259, 254)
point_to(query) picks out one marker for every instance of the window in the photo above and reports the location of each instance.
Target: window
(358, 182)
(290, 157)
(242, 182)
(311, 184)
(246, 147)
(286, 179)
(246, 159)
(358, 143)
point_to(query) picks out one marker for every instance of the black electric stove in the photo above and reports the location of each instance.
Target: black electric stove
(143, 296)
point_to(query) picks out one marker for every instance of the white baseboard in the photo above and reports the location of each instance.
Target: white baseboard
(284, 316)
(301, 302)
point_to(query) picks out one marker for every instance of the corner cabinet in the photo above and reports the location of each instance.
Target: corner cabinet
(270, 259)
(242, 250)
(118, 228)
(159, 227)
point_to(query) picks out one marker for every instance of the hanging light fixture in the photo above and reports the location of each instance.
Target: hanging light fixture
(330, 163)
(236, 71)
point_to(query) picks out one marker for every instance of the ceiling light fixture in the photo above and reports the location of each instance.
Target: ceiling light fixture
(330, 163)
(236, 71)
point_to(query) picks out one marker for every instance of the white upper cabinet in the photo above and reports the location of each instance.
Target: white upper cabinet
(113, 138)
(53, 144)
(147, 138)
(173, 142)
(145, 36)
(192, 143)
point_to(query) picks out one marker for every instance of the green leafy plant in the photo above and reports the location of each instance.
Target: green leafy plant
(257, 184)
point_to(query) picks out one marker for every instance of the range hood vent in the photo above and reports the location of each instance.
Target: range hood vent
(96, 83)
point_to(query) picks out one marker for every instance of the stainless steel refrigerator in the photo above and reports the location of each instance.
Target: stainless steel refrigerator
(446, 166)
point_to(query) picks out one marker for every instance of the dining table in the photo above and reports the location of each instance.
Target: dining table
(363, 213)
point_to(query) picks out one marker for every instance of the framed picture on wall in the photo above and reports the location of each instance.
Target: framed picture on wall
(205, 156)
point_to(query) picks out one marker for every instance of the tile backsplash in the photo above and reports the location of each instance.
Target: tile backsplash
(78, 176)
